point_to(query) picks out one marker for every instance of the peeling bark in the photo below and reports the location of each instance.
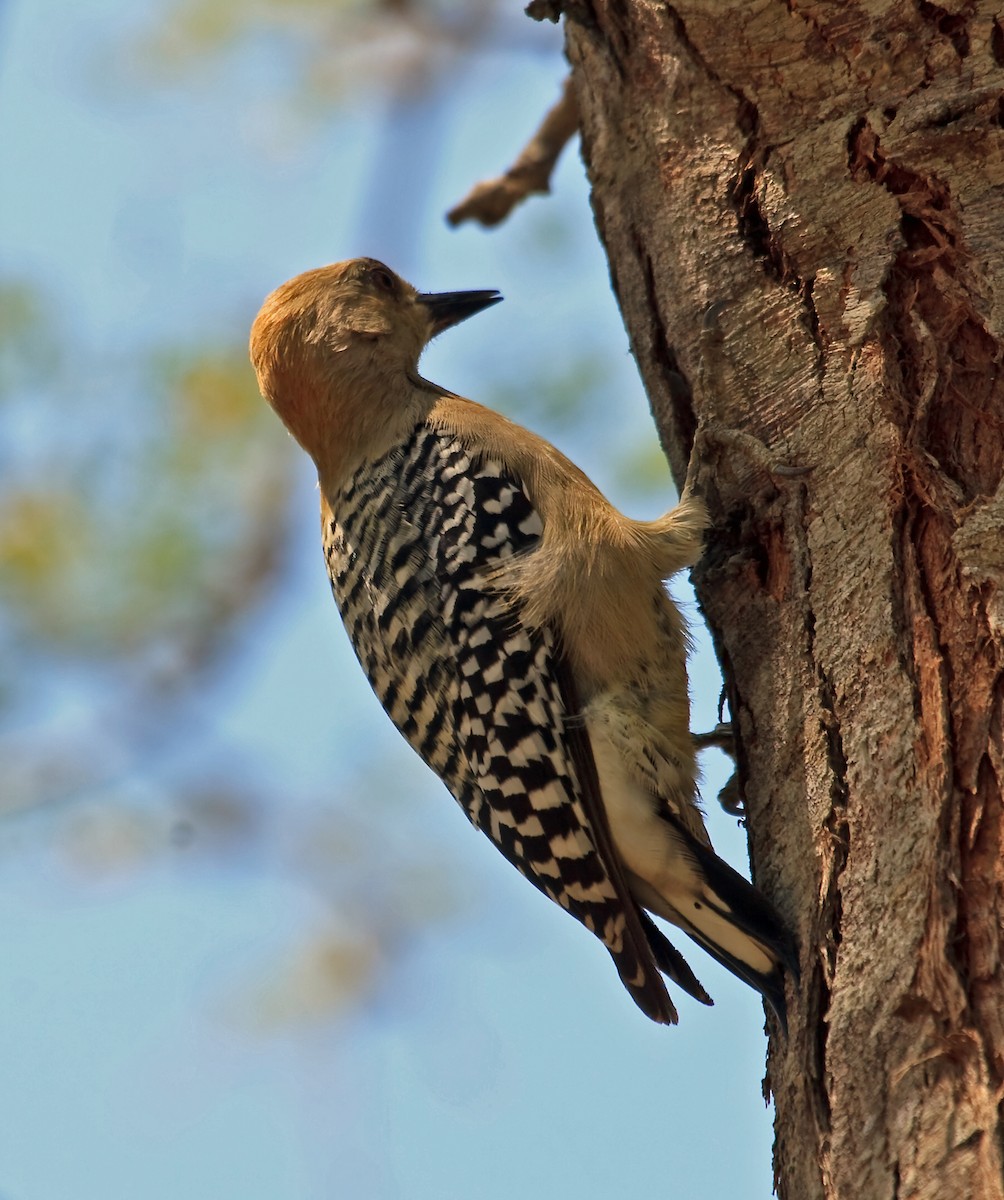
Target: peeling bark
(828, 179)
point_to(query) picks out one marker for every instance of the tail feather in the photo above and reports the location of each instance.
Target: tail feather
(671, 962)
(738, 926)
(770, 985)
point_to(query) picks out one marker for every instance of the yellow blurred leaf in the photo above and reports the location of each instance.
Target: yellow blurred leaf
(43, 536)
(324, 977)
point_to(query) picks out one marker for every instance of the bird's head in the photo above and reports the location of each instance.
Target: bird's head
(336, 353)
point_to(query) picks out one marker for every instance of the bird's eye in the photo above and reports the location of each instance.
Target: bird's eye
(383, 280)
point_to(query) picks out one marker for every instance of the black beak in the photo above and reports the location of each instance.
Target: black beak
(450, 308)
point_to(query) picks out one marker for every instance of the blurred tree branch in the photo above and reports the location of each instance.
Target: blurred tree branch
(492, 200)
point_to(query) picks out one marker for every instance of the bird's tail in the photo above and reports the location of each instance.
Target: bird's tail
(671, 962)
(739, 927)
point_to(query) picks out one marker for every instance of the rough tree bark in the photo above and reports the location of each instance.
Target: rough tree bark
(829, 178)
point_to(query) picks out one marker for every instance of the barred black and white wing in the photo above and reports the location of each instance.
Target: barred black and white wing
(486, 702)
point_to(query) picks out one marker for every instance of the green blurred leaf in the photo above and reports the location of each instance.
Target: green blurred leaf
(29, 349)
(171, 526)
(643, 470)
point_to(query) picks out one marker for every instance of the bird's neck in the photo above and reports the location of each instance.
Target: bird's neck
(361, 426)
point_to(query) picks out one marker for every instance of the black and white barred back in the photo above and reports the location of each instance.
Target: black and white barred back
(409, 552)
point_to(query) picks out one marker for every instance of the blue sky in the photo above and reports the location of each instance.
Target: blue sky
(148, 1046)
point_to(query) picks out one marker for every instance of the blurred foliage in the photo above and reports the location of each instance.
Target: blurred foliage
(380, 896)
(132, 535)
(642, 470)
(142, 505)
(332, 970)
(28, 352)
(335, 50)
(143, 514)
(143, 511)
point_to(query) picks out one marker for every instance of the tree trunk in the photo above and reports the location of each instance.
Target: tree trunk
(828, 178)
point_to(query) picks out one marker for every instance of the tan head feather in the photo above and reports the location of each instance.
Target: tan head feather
(336, 353)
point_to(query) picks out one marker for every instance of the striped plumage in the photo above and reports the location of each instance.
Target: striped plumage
(475, 693)
(515, 628)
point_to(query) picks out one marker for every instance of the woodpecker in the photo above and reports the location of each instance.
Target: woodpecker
(515, 627)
